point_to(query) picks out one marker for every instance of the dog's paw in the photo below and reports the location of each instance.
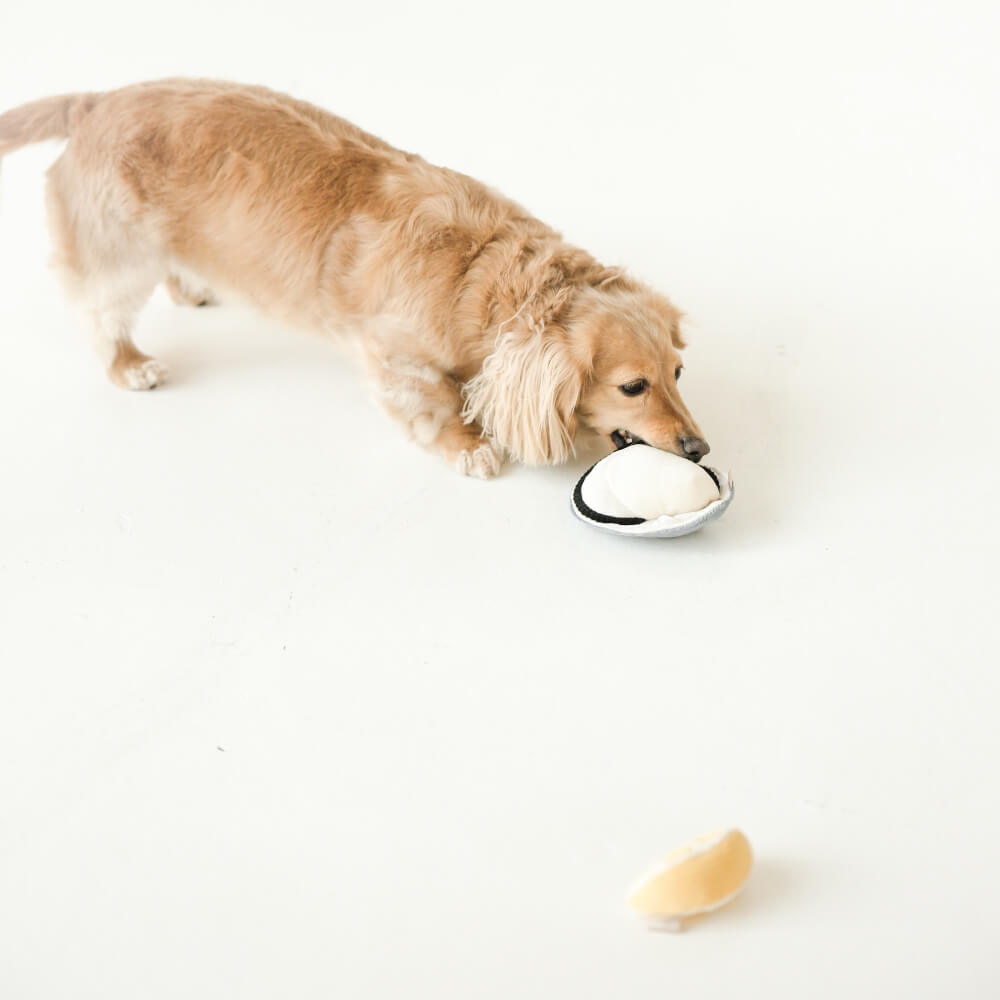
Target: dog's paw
(482, 462)
(186, 295)
(145, 375)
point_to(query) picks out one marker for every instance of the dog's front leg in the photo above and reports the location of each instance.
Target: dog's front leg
(428, 403)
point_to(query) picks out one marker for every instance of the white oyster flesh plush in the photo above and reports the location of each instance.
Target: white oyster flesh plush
(640, 490)
(651, 483)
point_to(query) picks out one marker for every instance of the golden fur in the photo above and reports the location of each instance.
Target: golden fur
(484, 333)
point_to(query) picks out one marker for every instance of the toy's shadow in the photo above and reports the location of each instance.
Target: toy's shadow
(759, 429)
(762, 424)
(772, 885)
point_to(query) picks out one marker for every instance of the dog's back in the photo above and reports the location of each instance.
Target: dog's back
(257, 192)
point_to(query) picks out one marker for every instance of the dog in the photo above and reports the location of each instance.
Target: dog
(485, 334)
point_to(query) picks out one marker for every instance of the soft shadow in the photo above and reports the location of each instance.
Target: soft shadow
(200, 344)
(761, 424)
(762, 431)
(772, 886)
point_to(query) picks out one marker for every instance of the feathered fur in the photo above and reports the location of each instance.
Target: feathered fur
(484, 332)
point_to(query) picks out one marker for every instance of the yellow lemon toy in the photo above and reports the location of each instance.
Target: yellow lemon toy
(699, 877)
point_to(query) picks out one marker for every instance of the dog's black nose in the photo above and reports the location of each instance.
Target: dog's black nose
(694, 448)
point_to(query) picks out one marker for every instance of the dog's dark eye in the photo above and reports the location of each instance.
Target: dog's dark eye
(677, 374)
(636, 388)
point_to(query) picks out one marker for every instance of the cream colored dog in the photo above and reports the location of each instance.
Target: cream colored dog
(485, 334)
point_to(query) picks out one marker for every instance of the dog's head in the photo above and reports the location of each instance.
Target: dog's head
(631, 393)
(605, 357)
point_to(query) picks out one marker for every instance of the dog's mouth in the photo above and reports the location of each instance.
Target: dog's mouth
(622, 439)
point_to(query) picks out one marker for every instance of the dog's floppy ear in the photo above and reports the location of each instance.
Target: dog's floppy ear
(676, 334)
(526, 394)
(673, 317)
(669, 314)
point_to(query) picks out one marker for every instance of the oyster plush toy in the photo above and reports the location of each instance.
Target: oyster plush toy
(639, 490)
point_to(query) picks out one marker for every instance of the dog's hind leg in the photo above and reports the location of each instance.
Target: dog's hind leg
(111, 310)
(110, 304)
(110, 268)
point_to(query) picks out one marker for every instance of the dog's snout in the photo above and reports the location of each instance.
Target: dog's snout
(695, 448)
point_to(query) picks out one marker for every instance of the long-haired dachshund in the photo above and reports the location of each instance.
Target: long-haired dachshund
(485, 334)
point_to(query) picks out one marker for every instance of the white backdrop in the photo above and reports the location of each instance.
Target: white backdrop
(290, 710)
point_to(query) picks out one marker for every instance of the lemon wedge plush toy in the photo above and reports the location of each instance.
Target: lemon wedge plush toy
(699, 877)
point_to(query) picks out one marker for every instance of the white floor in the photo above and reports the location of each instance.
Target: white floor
(290, 710)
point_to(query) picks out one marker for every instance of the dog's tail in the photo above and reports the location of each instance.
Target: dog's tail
(50, 118)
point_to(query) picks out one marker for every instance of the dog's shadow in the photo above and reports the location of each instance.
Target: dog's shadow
(752, 419)
(201, 345)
